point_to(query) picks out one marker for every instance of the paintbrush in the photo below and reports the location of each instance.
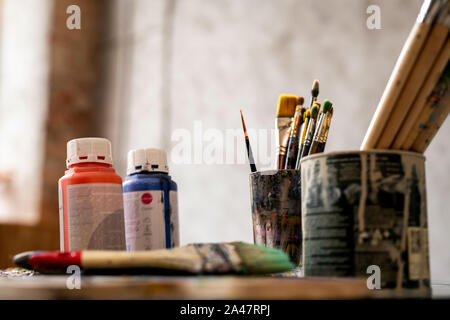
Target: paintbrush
(292, 149)
(249, 148)
(427, 88)
(314, 92)
(306, 118)
(427, 57)
(285, 112)
(204, 258)
(321, 127)
(323, 142)
(311, 129)
(437, 97)
(400, 75)
(430, 128)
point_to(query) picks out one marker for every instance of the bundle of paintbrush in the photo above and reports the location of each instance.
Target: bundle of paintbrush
(300, 130)
(415, 101)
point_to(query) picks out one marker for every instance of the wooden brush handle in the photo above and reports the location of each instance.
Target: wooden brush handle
(184, 258)
(396, 82)
(417, 128)
(425, 61)
(424, 93)
(432, 126)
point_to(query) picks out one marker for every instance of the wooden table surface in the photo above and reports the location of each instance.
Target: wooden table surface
(194, 287)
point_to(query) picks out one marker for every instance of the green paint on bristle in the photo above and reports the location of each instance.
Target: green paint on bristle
(258, 259)
(327, 104)
(314, 111)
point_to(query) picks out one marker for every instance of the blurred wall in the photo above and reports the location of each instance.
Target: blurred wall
(177, 62)
(24, 60)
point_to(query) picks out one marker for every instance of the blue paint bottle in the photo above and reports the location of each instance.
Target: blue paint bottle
(150, 202)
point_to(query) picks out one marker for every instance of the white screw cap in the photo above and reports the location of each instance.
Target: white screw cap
(88, 150)
(152, 160)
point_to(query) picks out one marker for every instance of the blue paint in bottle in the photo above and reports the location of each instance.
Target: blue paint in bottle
(150, 202)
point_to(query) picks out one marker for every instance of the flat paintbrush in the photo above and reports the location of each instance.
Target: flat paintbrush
(249, 148)
(206, 258)
(285, 113)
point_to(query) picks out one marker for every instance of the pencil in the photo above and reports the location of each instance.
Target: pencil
(249, 148)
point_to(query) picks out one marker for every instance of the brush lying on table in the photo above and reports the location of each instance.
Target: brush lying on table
(205, 258)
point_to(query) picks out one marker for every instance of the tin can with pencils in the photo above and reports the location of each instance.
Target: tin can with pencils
(364, 213)
(276, 210)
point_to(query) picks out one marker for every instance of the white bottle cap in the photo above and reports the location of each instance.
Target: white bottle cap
(88, 150)
(152, 160)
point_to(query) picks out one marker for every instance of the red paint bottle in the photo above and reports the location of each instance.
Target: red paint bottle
(90, 198)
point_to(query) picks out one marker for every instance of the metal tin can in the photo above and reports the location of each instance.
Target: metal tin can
(363, 211)
(276, 210)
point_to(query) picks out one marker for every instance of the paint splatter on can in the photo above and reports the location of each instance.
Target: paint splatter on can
(276, 210)
(362, 209)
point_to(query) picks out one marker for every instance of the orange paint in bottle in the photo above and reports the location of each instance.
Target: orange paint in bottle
(90, 198)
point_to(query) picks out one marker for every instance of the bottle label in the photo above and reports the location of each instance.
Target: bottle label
(145, 222)
(61, 217)
(95, 216)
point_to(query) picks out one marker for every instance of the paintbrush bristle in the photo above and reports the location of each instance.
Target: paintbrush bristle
(314, 110)
(286, 105)
(259, 259)
(327, 104)
(300, 101)
(307, 114)
(243, 124)
(315, 88)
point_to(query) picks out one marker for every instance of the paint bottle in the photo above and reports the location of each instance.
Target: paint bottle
(90, 198)
(150, 202)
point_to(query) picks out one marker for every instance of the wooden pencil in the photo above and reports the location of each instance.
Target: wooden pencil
(401, 71)
(427, 57)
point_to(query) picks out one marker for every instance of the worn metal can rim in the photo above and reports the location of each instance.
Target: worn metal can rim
(371, 151)
(270, 172)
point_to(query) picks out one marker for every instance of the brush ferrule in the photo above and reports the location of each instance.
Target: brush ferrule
(284, 129)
